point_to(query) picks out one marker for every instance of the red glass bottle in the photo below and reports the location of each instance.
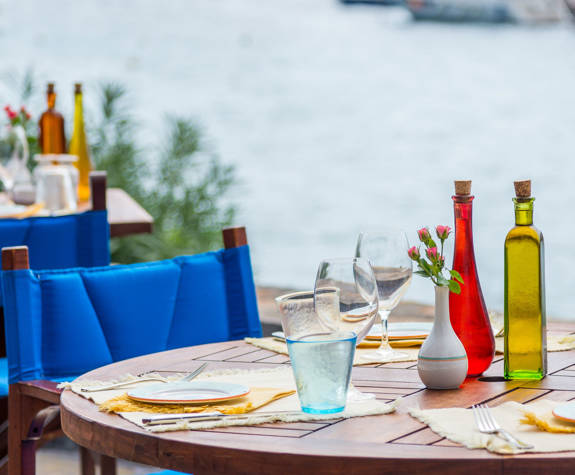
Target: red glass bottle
(467, 310)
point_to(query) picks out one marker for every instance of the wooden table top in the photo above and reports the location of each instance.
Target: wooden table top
(392, 443)
(125, 215)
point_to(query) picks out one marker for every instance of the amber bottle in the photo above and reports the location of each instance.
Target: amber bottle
(52, 136)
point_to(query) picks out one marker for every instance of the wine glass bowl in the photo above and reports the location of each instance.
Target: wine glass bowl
(387, 253)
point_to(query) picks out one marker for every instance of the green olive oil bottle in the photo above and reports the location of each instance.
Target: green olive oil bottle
(525, 323)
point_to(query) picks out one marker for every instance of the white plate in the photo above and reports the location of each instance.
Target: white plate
(191, 392)
(565, 412)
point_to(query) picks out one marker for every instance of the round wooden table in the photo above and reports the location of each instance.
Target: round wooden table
(393, 443)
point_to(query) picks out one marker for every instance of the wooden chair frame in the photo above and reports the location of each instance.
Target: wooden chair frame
(47, 418)
(33, 405)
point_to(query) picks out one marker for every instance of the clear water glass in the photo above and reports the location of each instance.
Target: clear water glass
(322, 369)
(299, 317)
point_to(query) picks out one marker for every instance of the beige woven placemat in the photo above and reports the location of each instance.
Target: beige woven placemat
(458, 425)
(279, 378)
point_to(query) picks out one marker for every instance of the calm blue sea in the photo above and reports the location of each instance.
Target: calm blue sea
(338, 119)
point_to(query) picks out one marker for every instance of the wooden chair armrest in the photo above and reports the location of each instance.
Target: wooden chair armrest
(41, 389)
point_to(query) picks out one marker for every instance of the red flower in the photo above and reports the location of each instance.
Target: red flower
(432, 253)
(423, 234)
(413, 253)
(10, 113)
(442, 232)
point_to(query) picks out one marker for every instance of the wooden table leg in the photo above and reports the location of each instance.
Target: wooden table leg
(108, 465)
(87, 464)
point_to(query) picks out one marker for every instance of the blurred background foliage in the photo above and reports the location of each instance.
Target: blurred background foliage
(179, 181)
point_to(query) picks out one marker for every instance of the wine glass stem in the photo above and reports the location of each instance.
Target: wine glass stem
(383, 314)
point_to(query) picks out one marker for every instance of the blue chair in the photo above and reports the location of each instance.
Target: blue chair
(62, 323)
(75, 240)
(61, 242)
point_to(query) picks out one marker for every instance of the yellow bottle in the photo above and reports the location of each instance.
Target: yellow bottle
(79, 147)
(525, 324)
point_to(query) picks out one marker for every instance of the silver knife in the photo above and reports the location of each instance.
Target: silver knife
(206, 416)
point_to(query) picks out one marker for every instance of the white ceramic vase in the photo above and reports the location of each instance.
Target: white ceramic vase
(442, 360)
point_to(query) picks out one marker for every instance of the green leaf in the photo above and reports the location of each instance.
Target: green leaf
(426, 267)
(442, 280)
(454, 287)
(422, 273)
(456, 275)
(431, 243)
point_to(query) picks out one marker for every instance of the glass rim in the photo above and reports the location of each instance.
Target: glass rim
(345, 259)
(299, 295)
(345, 336)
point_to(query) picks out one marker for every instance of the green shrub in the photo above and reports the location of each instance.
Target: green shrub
(180, 182)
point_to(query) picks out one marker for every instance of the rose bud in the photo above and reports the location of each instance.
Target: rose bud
(442, 232)
(432, 253)
(423, 234)
(413, 253)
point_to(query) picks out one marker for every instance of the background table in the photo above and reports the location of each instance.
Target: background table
(394, 443)
(125, 215)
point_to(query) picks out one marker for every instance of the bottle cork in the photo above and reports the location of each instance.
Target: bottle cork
(522, 188)
(78, 88)
(50, 88)
(462, 187)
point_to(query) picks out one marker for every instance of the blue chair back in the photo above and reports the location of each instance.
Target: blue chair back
(76, 240)
(60, 242)
(62, 323)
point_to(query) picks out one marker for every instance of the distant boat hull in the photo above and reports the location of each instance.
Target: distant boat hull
(489, 11)
(386, 3)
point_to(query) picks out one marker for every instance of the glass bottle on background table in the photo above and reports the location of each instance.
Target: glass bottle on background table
(52, 136)
(467, 310)
(79, 146)
(525, 354)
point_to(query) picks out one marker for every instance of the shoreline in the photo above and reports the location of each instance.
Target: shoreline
(270, 317)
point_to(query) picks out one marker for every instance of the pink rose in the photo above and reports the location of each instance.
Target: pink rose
(432, 253)
(413, 253)
(442, 232)
(423, 234)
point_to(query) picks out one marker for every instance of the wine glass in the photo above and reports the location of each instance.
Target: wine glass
(387, 254)
(353, 280)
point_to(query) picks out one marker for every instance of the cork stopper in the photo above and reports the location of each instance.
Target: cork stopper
(522, 188)
(78, 88)
(50, 89)
(462, 187)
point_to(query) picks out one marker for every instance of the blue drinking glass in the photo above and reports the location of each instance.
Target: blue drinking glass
(322, 364)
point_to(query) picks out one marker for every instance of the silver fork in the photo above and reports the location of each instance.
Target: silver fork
(188, 377)
(487, 424)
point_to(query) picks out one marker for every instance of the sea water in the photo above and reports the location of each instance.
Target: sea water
(322, 369)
